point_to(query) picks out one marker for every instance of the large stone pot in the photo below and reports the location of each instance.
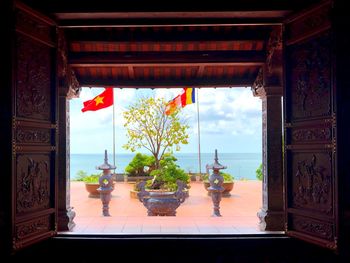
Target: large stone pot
(92, 189)
(162, 203)
(228, 188)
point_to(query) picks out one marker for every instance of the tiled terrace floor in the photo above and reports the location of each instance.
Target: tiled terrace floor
(128, 215)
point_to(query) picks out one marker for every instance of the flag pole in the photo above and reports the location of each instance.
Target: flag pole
(199, 137)
(113, 132)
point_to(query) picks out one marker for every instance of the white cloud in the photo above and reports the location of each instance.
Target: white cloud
(167, 94)
(223, 112)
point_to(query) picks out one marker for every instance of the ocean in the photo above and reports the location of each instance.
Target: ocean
(241, 165)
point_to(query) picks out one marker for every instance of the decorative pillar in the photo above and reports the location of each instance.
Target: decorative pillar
(68, 88)
(65, 211)
(269, 87)
(216, 180)
(106, 184)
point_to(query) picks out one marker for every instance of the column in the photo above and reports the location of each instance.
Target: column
(271, 214)
(68, 88)
(66, 213)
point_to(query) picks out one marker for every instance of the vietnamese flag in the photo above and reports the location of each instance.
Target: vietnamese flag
(104, 100)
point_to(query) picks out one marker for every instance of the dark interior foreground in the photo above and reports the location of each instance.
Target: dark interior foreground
(295, 49)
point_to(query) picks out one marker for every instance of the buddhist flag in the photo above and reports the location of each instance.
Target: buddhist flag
(187, 97)
(173, 105)
(104, 100)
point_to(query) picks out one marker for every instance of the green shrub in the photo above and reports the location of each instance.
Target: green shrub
(228, 178)
(137, 165)
(258, 172)
(91, 179)
(80, 175)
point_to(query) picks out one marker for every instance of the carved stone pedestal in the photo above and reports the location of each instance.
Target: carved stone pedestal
(65, 221)
(270, 220)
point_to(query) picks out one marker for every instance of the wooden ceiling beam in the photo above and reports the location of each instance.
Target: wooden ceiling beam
(200, 71)
(233, 44)
(166, 22)
(181, 33)
(107, 6)
(110, 59)
(131, 72)
(175, 83)
(153, 15)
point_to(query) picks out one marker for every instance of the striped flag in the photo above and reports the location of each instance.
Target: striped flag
(185, 98)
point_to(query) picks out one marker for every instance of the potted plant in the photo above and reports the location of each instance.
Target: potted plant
(165, 178)
(91, 184)
(227, 184)
(167, 190)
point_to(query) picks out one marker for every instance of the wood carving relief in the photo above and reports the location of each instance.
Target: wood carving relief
(312, 134)
(314, 227)
(33, 182)
(312, 182)
(33, 79)
(33, 227)
(68, 83)
(310, 78)
(258, 85)
(33, 135)
(274, 44)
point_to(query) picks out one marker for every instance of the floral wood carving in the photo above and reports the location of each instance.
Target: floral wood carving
(33, 227)
(31, 135)
(33, 182)
(258, 85)
(274, 43)
(310, 78)
(313, 227)
(68, 83)
(312, 184)
(311, 134)
(33, 79)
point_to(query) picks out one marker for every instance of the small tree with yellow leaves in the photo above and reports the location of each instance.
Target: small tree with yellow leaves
(149, 127)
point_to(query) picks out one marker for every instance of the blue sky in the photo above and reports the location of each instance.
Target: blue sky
(230, 120)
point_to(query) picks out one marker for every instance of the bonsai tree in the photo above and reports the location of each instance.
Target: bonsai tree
(149, 127)
(137, 165)
(168, 173)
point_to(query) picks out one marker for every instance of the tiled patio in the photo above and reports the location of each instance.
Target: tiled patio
(128, 215)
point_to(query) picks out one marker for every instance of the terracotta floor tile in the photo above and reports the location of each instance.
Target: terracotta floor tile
(129, 216)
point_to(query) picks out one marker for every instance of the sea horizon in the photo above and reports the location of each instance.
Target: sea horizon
(241, 165)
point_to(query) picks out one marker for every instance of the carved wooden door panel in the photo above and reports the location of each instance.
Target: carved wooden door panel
(310, 129)
(34, 128)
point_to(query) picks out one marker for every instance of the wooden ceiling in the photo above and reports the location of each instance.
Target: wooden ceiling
(163, 56)
(133, 44)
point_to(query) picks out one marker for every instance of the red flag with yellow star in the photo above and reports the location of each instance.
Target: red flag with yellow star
(104, 100)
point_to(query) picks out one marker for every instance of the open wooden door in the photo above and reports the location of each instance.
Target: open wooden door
(34, 128)
(311, 183)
